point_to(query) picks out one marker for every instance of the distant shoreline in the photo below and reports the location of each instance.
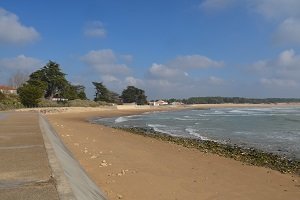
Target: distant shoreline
(147, 108)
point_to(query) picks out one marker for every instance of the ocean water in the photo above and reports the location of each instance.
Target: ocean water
(275, 130)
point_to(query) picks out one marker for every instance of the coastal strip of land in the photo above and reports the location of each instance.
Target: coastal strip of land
(129, 166)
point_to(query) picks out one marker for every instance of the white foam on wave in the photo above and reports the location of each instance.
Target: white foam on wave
(240, 112)
(158, 128)
(192, 131)
(121, 119)
(185, 119)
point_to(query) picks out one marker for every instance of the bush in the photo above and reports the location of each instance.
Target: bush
(86, 103)
(49, 103)
(9, 101)
(30, 95)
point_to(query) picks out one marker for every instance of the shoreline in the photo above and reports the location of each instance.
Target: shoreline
(250, 155)
(246, 154)
(129, 166)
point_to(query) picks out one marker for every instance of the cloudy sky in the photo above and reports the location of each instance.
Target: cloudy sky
(169, 48)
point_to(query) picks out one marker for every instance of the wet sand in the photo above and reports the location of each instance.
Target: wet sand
(128, 166)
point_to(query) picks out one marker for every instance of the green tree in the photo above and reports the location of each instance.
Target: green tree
(132, 94)
(104, 94)
(30, 95)
(50, 79)
(72, 92)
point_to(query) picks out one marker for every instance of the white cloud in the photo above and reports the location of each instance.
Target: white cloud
(105, 61)
(215, 80)
(194, 61)
(211, 5)
(12, 31)
(285, 14)
(277, 8)
(21, 63)
(126, 58)
(288, 32)
(162, 71)
(274, 82)
(281, 71)
(134, 81)
(95, 29)
(110, 79)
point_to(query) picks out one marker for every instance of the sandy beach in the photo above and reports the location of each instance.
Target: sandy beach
(128, 166)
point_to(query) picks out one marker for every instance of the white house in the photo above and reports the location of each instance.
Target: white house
(158, 103)
(7, 90)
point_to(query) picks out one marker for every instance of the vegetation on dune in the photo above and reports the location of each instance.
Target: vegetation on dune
(47, 83)
(220, 100)
(30, 95)
(48, 87)
(9, 101)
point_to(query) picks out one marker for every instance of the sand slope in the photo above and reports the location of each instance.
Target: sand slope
(128, 166)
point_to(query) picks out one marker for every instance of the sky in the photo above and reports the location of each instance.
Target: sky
(169, 48)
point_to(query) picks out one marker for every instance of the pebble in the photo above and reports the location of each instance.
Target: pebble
(85, 151)
(93, 157)
(103, 163)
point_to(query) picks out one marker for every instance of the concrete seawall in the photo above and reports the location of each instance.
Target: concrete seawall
(77, 183)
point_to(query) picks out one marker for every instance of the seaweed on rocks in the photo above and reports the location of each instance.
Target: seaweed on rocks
(249, 156)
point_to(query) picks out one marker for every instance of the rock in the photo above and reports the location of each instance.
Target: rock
(85, 151)
(103, 164)
(93, 157)
(120, 196)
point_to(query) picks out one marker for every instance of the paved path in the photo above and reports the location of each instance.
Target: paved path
(24, 168)
(36, 165)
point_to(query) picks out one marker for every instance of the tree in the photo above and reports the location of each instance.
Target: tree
(18, 79)
(50, 79)
(72, 92)
(30, 95)
(103, 94)
(132, 94)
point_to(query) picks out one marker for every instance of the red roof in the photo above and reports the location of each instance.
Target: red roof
(4, 87)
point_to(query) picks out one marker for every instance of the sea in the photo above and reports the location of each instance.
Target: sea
(272, 129)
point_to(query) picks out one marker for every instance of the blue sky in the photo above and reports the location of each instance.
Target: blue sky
(177, 48)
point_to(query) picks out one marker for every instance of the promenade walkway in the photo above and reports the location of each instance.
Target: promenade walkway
(24, 168)
(36, 165)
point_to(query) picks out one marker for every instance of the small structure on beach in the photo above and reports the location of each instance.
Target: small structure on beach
(7, 89)
(158, 103)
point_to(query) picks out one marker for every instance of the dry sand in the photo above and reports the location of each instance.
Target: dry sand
(133, 167)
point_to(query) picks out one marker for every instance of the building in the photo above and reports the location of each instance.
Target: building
(7, 90)
(158, 103)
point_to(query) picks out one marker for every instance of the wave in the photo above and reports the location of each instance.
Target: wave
(192, 131)
(121, 119)
(186, 119)
(157, 127)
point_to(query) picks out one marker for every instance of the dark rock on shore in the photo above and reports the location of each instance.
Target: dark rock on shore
(250, 156)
